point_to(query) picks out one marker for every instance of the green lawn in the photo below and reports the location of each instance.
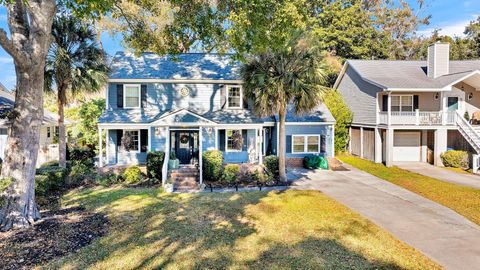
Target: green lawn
(250, 230)
(464, 200)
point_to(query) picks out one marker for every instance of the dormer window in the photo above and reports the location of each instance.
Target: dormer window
(131, 95)
(234, 97)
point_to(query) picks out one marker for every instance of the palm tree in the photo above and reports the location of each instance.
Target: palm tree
(292, 75)
(75, 63)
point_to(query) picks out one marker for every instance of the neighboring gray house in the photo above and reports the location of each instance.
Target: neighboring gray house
(191, 103)
(48, 150)
(412, 110)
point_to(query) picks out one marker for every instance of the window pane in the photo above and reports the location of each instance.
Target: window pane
(407, 109)
(298, 144)
(132, 95)
(133, 135)
(395, 108)
(234, 97)
(395, 101)
(407, 100)
(234, 140)
(312, 144)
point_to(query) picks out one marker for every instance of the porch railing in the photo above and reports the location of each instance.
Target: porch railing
(418, 118)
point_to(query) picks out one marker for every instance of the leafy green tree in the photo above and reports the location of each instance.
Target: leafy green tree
(85, 132)
(293, 74)
(343, 116)
(74, 63)
(473, 33)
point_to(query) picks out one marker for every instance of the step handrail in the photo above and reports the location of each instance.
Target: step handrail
(467, 131)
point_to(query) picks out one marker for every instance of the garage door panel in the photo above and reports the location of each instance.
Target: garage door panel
(406, 146)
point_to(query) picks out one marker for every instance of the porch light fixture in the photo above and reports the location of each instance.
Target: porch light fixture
(470, 95)
(436, 96)
(158, 131)
(209, 130)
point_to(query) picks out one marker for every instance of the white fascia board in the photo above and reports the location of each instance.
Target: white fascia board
(414, 89)
(173, 81)
(158, 121)
(340, 76)
(124, 126)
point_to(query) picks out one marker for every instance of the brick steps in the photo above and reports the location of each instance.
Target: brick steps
(185, 179)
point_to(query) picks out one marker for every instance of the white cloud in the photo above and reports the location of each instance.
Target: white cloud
(449, 28)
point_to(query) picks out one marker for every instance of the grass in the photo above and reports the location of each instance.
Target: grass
(459, 170)
(250, 230)
(463, 200)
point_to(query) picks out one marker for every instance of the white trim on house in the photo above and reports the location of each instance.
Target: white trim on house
(305, 143)
(180, 111)
(308, 123)
(139, 87)
(174, 81)
(400, 102)
(227, 92)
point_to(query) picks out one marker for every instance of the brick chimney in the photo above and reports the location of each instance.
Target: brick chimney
(438, 59)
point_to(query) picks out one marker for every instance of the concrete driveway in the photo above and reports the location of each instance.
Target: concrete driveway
(437, 231)
(469, 180)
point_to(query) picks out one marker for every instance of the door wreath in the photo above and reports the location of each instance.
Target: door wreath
(184, 139)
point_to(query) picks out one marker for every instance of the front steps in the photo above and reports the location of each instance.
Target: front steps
(185, 178)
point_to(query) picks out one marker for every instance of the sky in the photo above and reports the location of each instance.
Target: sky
(451, 16)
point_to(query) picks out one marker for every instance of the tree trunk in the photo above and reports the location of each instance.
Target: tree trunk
(282, 145)
(62, 144)
(21, 152)
(30, 38)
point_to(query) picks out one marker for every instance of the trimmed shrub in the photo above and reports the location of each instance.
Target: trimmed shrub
(155, 161)
(132, 175)
(50, 179)
(271, 164)
(455, 159)
(108, 179)
(231, 173)
(212, 165)
(85, 155)
(80, 173)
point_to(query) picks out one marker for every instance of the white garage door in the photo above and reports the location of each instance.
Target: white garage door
(406, 146)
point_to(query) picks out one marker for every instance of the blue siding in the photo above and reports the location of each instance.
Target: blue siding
(310, 129)
(208, 140)
(235, 157)
(158, 140)
(166, 96)
(116, 156)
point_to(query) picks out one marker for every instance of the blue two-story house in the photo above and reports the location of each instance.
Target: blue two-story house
(191, 103)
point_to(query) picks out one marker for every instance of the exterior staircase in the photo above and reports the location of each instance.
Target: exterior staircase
(185, 178)
(469, 132)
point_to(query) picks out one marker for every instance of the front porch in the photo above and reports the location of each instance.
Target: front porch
(184, 136)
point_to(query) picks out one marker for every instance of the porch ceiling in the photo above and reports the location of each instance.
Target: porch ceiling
(473, 81)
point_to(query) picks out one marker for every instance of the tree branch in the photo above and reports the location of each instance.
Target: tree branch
(7, 44)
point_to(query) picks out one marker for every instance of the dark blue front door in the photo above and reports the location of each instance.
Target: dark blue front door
(186, 146)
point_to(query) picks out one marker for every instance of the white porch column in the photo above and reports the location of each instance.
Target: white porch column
(417, 117)
(475, 159)
(259, 145)
(333, 141)
(149, 139)
(361, 142)
(107, 140)
(444, 108)
(440, 146)
(389, 147)
(165, 131)
(217, 142)
(100, 148)
(424, 146)
(378, 145)
(200, 156)
(389, 109)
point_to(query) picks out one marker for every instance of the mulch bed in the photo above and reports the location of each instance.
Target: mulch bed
(58, 233)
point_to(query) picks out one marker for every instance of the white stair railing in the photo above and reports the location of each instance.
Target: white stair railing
(468, 132)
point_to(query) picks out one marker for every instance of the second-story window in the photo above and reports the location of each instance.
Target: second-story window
(234, 97)
(402, 103)
(131, 95)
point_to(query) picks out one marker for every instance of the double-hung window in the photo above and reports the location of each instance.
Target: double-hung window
(131, 96)
(305, 144)
(131, 140)
(234, 97)
(234, 140)
(402, 103)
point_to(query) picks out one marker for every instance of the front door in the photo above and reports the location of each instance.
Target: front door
(185, 146)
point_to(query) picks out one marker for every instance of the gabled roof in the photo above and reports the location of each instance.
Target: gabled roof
(182, 116)
(319, 114)
(391, 74)
(188, 66)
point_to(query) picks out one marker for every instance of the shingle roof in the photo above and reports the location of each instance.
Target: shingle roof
(7, 101)
(319, 114)
(189, 66)
(410, 74)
